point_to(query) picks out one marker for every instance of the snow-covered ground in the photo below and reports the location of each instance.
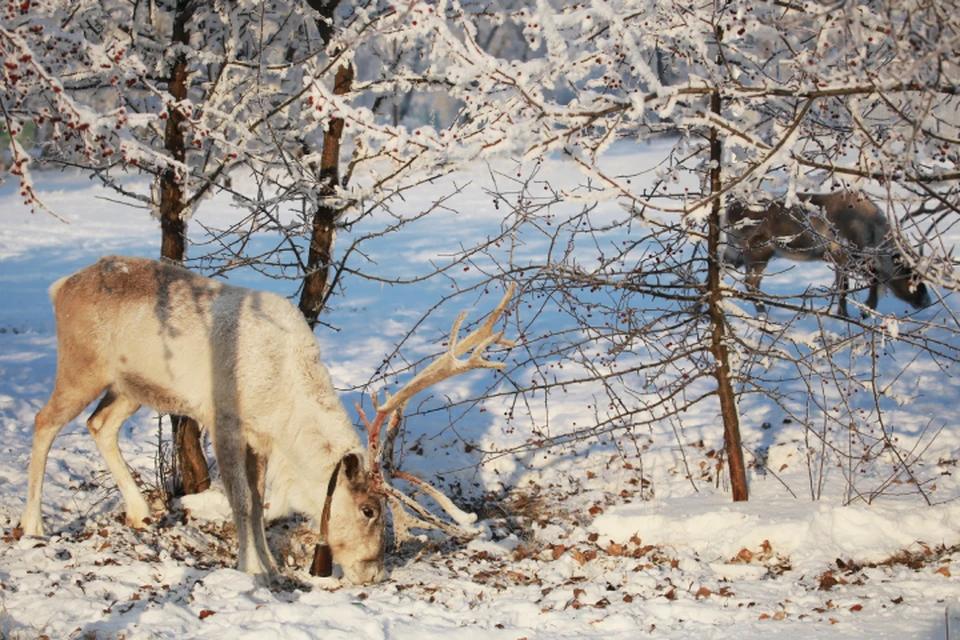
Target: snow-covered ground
(577, 548)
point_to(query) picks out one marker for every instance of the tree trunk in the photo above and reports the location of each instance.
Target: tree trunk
(194, 472)
(718, 346)
(323, 235)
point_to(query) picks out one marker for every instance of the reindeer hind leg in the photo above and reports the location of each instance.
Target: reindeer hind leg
(71, 394)
(104, 425)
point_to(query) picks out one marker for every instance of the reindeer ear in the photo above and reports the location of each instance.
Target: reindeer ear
(352, 467)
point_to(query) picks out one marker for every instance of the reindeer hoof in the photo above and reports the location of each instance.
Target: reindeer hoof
(138, 517)
(264, 579)
(138, 523)
(30, 527)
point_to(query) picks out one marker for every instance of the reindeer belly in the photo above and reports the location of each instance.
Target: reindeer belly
(165, 377)
(156, 395)
(806, 245)
(799, 255)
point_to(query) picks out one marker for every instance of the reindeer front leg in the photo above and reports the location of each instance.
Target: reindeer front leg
(756, 264)
(874, 296)
(752, 283)
(233, 457)
(841, 286)
(256, 467)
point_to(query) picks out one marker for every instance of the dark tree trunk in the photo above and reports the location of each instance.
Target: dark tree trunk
(320, 257)
(324, 23)
(194, 472)
(718, 346)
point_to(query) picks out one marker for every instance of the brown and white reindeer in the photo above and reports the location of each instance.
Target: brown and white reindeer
(843, 228)
(246, 366)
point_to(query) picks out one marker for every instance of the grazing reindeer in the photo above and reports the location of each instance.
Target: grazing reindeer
(245, 365)
(843, 228)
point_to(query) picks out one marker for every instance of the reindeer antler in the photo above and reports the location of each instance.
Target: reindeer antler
(380, 450)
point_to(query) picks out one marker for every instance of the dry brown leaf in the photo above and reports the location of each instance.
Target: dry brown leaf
(828, 581)
(744, 556)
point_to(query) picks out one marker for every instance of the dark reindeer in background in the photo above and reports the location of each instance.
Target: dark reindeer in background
(843, 228)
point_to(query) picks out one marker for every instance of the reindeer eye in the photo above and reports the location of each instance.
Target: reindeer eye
(367, 512)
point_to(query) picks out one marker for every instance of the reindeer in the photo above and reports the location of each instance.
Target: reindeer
(843, 228)
(246, 366)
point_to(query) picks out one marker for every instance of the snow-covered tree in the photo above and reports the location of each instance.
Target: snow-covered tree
(337, 108)
(764, 100)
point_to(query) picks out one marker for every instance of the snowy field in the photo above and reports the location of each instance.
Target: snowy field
(575, 549)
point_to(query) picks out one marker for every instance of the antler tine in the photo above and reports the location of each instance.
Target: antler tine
(449, 364)
(461, 517)
(373, 434)
(479, 334)
(402, 523)
(400, 503)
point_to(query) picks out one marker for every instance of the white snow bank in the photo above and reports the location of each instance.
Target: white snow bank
(812, 534)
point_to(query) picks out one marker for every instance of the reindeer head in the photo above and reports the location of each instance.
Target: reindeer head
(906, 284)
(356, 536)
